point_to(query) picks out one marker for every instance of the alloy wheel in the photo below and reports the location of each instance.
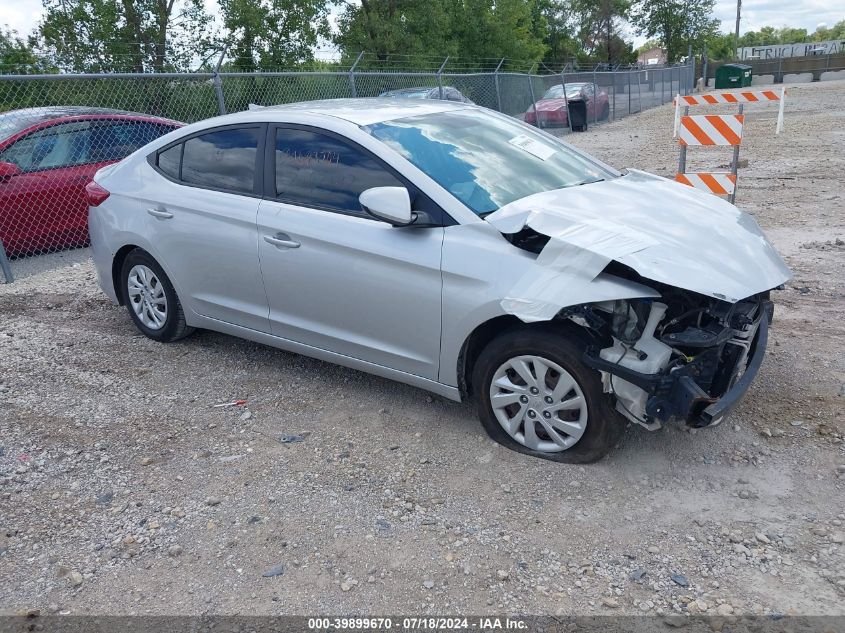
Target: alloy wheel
(147, 297)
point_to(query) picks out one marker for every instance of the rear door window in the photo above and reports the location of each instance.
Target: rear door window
(222, 159)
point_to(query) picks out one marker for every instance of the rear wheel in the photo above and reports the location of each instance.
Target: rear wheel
(605, 112)
(151, 299)
(534, 396)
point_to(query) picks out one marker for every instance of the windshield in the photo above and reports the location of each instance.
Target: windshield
(483, 160)
(422, 93)
(573, 91)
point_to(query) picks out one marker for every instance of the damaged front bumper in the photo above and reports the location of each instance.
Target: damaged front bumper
(678, 394)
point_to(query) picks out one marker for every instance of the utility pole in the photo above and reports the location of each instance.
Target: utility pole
(736, 33)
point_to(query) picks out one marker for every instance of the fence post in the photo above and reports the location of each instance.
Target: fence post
(704, 60)
(440, 79)
(498, 92)
(779, 78)
(613, 111)
(533, 99)
(690, 62)
(218, 83)
(596, 87)
(640, 91)
(4, 264)
(352, 75)
(735, 165)
(629, 91)
(565, 99)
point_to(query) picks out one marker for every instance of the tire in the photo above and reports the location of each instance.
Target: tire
(605, 112)
(600, 425)
(151, 300)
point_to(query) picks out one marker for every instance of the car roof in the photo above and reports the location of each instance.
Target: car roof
(417, 89)
(358, 111)
(13, 122)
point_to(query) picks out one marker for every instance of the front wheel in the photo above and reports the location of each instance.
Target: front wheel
(535, 396)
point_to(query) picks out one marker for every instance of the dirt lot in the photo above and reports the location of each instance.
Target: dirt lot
(122, 491)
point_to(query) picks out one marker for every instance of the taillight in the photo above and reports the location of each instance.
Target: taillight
(96, 194)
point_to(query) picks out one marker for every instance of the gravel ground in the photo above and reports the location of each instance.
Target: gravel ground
(122, 491)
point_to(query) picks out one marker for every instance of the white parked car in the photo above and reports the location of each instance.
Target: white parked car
(451, 248)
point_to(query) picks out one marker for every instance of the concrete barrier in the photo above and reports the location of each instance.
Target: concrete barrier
(762, 80)
(832, 75)
(798, 78)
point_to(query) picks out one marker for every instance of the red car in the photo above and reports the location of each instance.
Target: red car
(47, 156)
(551, 109)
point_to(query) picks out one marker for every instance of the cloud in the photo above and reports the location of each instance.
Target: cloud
(21, 17)
(756, 14)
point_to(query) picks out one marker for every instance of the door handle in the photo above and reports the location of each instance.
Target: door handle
(160, 213)
(281, 240)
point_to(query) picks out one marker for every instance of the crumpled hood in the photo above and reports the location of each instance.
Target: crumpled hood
(665, 231)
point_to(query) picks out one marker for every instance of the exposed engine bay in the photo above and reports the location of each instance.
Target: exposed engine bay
(675, 356)
(671, 285)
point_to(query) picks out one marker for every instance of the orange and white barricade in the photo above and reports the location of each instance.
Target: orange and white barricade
(722, 130)
(720, 183)
(717, 130)
(711, 129)
(736, 98)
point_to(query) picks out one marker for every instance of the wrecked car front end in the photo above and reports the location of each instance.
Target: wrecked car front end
(690, 359)
(687, 332)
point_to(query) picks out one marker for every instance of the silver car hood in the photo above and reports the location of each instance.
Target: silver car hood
(667, 232)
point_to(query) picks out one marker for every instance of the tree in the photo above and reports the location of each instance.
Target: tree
(677, 24)
(600, 27)
(462, 29)
(553, 24)
(125, 35)
(721, 46)
(824, 33)
(17, 56)
(273, 33)
(395, 27)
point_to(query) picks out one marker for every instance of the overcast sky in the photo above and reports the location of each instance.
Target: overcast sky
(22, 15)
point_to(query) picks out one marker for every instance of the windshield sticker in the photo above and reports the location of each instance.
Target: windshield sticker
(533, 146)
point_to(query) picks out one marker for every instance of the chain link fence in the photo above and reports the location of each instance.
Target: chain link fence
(56, 131)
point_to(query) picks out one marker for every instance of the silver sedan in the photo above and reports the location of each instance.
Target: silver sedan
(451, 248)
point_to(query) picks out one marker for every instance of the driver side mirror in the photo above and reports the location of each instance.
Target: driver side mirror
(7, 170)
(388, 204)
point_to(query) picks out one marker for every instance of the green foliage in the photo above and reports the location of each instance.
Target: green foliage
(180, 35)
(125, 35)
(465, 30)
(266, 34)
(554, 24)
(17, 56)
(599, 28)
(678, 24)
(835, 32)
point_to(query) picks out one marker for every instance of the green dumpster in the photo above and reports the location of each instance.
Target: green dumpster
(733, 76)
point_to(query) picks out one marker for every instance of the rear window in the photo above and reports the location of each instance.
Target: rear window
(169, 160)
(222, 159)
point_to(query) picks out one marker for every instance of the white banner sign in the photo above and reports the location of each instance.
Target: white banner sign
(791, 50)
